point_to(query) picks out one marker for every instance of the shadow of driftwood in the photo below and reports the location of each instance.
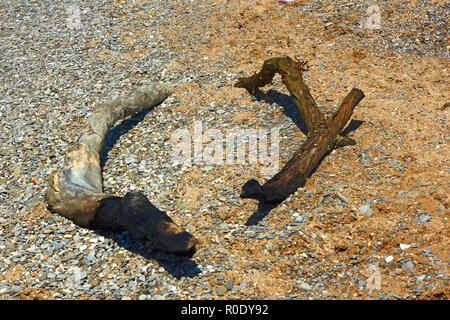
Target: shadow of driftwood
(175, 264)
(116, 132)
(290, 110)
(262, 212)
(285, 101)
(352, 126)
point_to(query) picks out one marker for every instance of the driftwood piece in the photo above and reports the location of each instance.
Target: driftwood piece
(76, 191)
(323, 133)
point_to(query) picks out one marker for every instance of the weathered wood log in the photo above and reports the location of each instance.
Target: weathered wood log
(324, 134)
(76, 191)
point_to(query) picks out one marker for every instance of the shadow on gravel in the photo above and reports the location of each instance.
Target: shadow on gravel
(116, 132)
(262, 212)
(352, 126)
(290, 110)
(285, 101)
(176, 265)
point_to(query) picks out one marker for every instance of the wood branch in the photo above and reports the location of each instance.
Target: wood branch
(323, 133)
(292, 76)
(76, 191)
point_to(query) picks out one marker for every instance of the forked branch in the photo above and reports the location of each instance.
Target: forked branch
(324, 134)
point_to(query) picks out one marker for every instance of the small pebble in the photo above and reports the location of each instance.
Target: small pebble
(404, 246)
(342, 198)
(365, 209)
(221, 290)
(229, 284)
(94, 283)
(220, 277)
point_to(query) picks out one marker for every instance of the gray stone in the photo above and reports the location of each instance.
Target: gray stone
(409, 265)
(342, 198)
(365, 209)
(229, 284)
(224, 227)
(82, 275)
(420, 278)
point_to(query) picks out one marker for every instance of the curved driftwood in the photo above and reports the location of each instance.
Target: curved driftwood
(76, 192)
(324, 134)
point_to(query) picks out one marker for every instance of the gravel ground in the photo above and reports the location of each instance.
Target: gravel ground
(378, 208)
